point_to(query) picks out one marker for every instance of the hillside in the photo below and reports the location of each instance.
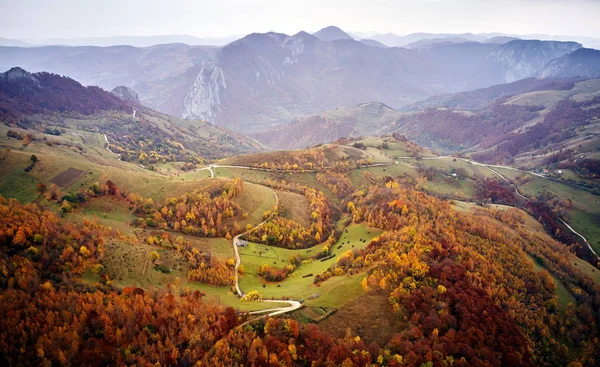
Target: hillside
(373, 43)
(331, 125)
(351, 239)
(46, 107)
(479, 98)
(555, 115)
(23, 93)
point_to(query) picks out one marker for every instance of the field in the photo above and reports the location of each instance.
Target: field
(67, 177)
(369, 316)
(584, 216)
(295, 207)
(256, 200)
(297, 286)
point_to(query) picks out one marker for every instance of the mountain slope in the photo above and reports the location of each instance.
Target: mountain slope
(583, 62)
(370, 42)
(478, 98)
(523, 58)
(331, 125)
(263, 80)
(23, 93)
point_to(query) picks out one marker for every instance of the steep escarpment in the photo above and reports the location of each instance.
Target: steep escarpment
(523, 58)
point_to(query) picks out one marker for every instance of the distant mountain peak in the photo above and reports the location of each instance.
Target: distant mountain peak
(304, 35)
(332, 33)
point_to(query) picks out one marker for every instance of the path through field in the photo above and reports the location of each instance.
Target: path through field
(293, 305)
(108, 147)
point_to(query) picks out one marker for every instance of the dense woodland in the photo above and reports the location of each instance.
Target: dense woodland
(336, 158)
(558, 125)
(23, 94)
(284, 232)
(451, 276)
(200, 213)
(463, 287)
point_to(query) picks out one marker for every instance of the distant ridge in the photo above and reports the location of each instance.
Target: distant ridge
(373, 43)
(136, 41)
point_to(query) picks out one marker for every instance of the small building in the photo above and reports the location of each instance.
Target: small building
(242, 243)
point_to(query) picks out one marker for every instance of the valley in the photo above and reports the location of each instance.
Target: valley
(306, 200)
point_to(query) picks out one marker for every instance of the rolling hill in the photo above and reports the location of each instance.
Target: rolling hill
(23, 93)
(525, 121)
(131, 250)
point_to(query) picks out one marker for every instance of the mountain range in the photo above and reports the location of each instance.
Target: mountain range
(264, 81)
(136, 41)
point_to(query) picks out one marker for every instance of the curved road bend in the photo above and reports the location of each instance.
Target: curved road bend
(108, 145)
(489, 166)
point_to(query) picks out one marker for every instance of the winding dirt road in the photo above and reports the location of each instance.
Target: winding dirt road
(209, 168)
(293, 305)
(108, 147)
(487, 166)
(491, 168)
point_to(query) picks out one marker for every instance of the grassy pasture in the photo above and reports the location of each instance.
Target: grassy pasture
(294, 206)
(584, 216)
(296, 286)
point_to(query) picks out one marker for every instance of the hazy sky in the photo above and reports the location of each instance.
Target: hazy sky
(89, 18)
